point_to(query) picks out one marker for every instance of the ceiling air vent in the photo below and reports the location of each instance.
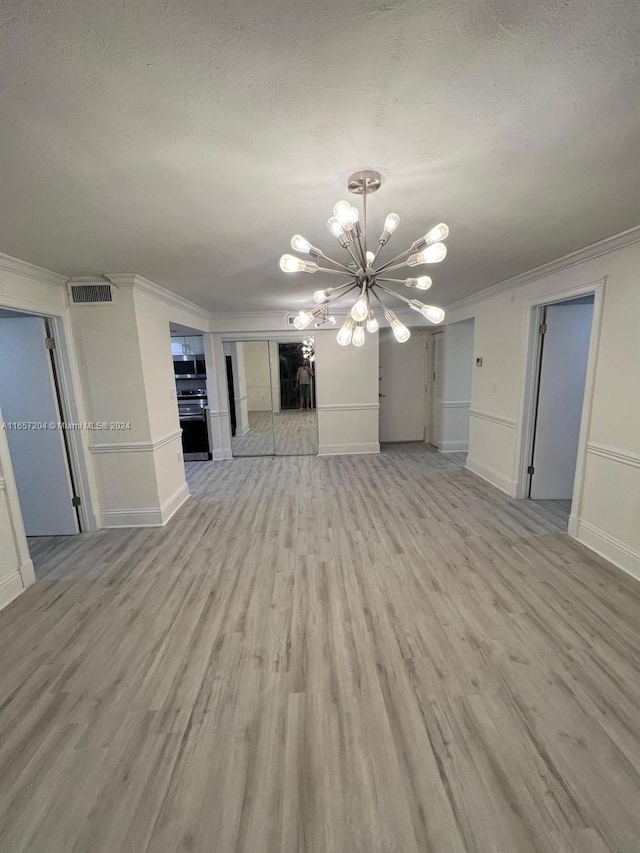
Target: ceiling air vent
(91, 293)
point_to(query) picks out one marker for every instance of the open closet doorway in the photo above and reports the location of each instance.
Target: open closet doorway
(564, 338)
(32, 425)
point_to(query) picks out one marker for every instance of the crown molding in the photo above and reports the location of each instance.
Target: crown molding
(595, 250)
(17, 267)
(138, 282)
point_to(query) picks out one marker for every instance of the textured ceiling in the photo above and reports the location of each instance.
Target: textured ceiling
(187, 140)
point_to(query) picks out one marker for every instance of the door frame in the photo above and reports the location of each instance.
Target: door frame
(431, 413)
(526, 418)
(68, 376)
(428, 357)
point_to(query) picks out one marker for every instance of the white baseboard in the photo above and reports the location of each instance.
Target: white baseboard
(572, 526)
(454, 446)
(491, 476)
(27, 573)
(10, 588)
(345, 449)
(621, 555)
(138, 517)
(173, 504)
(151, 516)
(220, 455)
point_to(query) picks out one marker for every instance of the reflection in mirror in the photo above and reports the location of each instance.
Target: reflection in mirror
(249, 385)
(272, 397)
(294, 410)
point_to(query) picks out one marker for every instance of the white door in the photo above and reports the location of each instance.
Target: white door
(435, 396)
(38, 455)
(402, 387)
(563, 369)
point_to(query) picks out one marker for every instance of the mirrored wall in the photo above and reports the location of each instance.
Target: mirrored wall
(272, 397)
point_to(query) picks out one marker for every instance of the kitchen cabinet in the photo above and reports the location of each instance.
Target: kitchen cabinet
(187, 345)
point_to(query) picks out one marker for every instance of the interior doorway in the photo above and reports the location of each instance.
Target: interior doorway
(35, 426)
(562, 357)
(402, 387)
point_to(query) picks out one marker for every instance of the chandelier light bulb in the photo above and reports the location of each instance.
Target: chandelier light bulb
(346, 333)
(321, 295)
(372, 324)
(335, 226)
(302, 320)
(343, 213)
(433, 314)
(289, 263)
(424, 282)
(360, 309)
(370, 258)
(358, 335)
(438, 232)
(431, 255)
(331, 319)
(354, 215)
(299, 244)
(400, 331)
(391, 223)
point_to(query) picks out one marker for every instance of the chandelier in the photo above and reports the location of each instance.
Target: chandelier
(364, 276)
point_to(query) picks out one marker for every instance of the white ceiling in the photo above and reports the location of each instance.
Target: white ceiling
(187, 140)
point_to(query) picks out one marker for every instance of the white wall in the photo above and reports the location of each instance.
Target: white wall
(257, 375)
(347, 389)
(456, 387)
(127, 373)
(606, 514)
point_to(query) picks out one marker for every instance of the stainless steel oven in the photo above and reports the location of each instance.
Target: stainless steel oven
(192, 408)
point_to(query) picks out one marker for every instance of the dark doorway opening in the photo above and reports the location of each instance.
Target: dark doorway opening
(291, 358)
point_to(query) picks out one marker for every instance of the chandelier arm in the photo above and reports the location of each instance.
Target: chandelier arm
(335, 298)
(349, 284)
(387, 268)
(377, 298)
(357, 261)
(363, 257)
(348, 273)
(394, 280)
(393, 260)
(393, 293)
(337, 263)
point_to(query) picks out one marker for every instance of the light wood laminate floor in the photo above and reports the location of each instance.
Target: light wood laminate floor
(374, 654)
(288, 433)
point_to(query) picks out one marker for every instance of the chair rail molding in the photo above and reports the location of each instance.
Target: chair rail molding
(614, 453)
(346, 407)
(135, 446)
(496, 419)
